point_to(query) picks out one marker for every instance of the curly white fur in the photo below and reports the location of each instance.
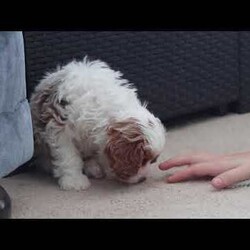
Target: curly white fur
(84, 115)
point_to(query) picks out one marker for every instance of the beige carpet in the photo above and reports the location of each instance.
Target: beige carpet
(36, 196)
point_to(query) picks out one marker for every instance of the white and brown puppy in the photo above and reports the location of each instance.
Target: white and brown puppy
(88, 121)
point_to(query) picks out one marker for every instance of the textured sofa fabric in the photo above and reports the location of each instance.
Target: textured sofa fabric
(16, 136)
(244, 54)
(176, 72)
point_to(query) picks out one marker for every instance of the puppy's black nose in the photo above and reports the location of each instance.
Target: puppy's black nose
(142, 179)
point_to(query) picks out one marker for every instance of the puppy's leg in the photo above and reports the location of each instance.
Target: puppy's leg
(67, 161)
(92, 169)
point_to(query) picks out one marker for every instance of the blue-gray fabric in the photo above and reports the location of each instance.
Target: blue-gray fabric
(16, 136)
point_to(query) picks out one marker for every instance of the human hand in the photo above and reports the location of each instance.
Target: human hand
(226, 169)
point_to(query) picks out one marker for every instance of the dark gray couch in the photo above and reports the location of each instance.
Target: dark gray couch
(177, 72)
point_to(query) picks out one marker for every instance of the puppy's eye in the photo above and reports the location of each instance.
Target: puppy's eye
(154, 160)
(63, 103)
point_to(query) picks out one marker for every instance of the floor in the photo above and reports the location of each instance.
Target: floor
(38, 196)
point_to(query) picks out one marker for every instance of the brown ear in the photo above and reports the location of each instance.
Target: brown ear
(45, 105)
(126, 148)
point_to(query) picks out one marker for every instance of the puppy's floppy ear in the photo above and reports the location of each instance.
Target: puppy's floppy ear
(126, 148)
(46, 105)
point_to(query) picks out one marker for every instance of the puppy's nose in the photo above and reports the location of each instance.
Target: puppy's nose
(142, 179)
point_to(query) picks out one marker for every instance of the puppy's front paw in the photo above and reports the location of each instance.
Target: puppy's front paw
(78, 183)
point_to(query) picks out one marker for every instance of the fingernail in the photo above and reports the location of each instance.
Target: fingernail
(217, 182)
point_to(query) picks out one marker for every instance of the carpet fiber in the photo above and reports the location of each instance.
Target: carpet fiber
(38, 196)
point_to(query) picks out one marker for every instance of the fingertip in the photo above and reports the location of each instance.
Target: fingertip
(163, 166)
(170, 179)
(218, 183)
(166, 180)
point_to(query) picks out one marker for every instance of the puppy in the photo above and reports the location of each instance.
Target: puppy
(89, 122)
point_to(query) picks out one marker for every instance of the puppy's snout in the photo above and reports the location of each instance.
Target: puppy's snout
(142, 179)
(133, 180)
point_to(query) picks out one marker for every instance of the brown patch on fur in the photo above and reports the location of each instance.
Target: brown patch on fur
(45, 106)
(127, 148)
